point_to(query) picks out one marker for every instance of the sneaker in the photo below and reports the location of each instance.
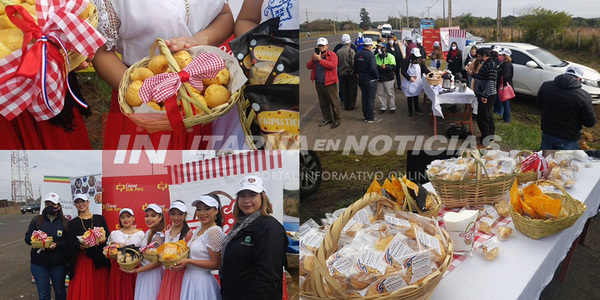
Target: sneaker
(482, 147)
(326, 122)
(392, 112)
(382, 111)
(334, 125)
(375, 120)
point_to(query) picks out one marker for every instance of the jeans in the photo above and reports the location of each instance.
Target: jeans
(368, 90)
(550, 142)
(504, 110)
(42, 276)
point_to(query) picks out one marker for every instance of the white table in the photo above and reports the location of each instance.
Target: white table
(468, 98)
(525, 266)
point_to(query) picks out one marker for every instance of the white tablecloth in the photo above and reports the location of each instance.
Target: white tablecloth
(468, 97)
(525, 266)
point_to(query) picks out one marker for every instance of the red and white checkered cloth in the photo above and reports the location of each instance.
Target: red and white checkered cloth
(480, 237)
(162, 86)
(43, 94)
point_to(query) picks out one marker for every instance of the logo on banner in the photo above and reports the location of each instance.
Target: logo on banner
(120, 187)
(128, 188)
(162, 186)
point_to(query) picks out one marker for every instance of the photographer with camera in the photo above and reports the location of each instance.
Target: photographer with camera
(324, 73)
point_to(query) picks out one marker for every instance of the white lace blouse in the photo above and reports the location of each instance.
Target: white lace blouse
(131, 26)
(118, 236)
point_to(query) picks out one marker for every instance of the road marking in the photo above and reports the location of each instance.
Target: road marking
(24, 221)
(16, 241)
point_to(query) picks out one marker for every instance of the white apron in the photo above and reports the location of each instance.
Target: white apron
(412, 89)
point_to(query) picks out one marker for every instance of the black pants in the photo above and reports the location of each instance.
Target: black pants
(485, 119)
(398, 76)
(349, 87)
(413, 101)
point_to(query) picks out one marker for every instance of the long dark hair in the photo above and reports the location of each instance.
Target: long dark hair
(219, 217)
(160, 227)
(65, 119)
(60, 215)
(185, 228)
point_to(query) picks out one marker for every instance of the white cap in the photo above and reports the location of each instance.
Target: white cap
(126, 210)
(505, 52)
(360, 34)
(436, 44)
(346, 38)
(575, 71)
(367, 41)
(496, 49)
(322, 41)
(416, 52)
(154, 207)
(253, 183)
(408, 38)
(83, 197)
(419, 41)
(208, 200)
(52, 197)
(178, 205)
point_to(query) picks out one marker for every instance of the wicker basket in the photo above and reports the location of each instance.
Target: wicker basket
(157, 121)
(75, 59)
(433, 81)
(171, 262)
(410, 204)
(153, 257)
(42, 244)
(313, 287)
(137, 259)
(523, 177)
(246, 122)
(536, 228)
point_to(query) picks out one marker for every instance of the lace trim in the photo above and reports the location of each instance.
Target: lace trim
(215, 238)
(108, 22)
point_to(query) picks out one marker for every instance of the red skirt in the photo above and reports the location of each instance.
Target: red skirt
(120, 129)
(24, 132)
(170, 288)
(88, 283)
(121, 285)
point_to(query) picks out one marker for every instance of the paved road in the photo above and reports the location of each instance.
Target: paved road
(15, 277)
(352, 123)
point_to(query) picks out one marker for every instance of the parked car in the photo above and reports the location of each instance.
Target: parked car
(534, 65)
(374, 35)
(472, 40)
(310, 173)
(31, 207)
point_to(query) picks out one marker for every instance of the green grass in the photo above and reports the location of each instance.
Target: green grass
(519, 134)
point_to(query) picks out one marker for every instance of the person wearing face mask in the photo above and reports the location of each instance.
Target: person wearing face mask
(365, 67)
(395, 50)
(412, 69)
(359, 42)
(454, 59)
(436, 56)
(323, 66)
(505, 76)
(419, 42)
(496, 57)
(348, 80)
(50, 263)
(386, 64)
(253, 252)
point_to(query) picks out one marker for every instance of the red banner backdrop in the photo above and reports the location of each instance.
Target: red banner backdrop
(430, 36)
(134, 192)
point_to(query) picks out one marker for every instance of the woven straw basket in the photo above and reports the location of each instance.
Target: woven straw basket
(314, 286)
(156, 121)
(42, 244)
(410, 204)
(137, 259)
(153, 257)
(523, 177)
(171, 262)
(433, 81)
(246, 122)
(75, 59)
(536, 228)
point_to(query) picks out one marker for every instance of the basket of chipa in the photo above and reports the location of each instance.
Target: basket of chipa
(128, 258)
(111, 251)
(408, 196)
(173, 91)
(40, 240)
(532, 167)
(538, 214)
(170, 254)
(374, 251)
(472, 180)
(150, 252)
(93, 237)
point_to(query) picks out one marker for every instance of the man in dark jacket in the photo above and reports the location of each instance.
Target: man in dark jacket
(366, 68)
(348, 80)
(565, 109)
(485, 90)
(394, 49)
(324, 74)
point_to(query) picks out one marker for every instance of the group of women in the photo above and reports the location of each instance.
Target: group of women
(250, 258)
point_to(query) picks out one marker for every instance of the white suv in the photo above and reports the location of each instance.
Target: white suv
(534, 65)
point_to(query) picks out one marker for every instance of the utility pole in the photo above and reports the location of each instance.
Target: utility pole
(498, 20)
(407, 21)
(449, 13)
(306, 9)
(444, 11)
(428, 7)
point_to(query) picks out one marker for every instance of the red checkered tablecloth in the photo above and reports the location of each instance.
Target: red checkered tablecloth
(480, 237)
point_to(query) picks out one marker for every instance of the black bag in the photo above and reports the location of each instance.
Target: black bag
(457, 130)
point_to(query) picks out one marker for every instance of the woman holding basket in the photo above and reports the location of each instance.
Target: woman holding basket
(50, 261)
(253, 253)
(170, 288)
(121, 286)
(89, 268)
(131, 28)
(205, 252)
